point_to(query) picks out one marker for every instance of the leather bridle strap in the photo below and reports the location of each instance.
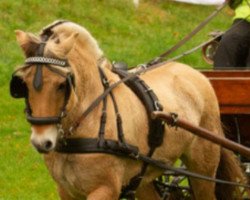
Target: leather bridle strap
(37, 61)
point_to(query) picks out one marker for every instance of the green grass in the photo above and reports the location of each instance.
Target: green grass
(124, 33)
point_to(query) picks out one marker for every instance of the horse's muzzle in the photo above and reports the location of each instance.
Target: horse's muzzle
(44, 141)
(44, 147)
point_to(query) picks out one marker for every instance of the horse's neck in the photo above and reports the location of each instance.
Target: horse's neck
(88, 85)
(85, 64)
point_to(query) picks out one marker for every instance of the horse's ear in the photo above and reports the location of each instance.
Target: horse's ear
(62, 48)
(28, 42)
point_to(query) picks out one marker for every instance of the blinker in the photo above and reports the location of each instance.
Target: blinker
(18, 88)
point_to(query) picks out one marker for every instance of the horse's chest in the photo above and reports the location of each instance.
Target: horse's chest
(69, 175)
(79, 174)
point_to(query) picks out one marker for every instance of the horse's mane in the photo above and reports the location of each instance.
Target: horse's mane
(84, 40)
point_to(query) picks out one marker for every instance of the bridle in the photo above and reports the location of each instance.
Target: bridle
(18, 88)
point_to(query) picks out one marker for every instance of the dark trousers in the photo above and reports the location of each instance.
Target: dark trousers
(234, 47)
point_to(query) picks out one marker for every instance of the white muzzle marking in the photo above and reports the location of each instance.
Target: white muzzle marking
(46, 141)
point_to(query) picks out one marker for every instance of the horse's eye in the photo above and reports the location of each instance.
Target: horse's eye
(61, 87)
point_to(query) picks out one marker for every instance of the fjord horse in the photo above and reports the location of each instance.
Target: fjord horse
(180, 89)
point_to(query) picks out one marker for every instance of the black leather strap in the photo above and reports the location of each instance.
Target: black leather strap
(43, 120)
(156, 127)
(91, 145)
(106, 85)
(151, 103)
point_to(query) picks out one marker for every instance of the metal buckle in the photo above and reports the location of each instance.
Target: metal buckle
(105, 82)
(174, 117)
(71, 130)
(142, 68)
(60, 130)
(135, 155)
(63, 114)
(157, 105)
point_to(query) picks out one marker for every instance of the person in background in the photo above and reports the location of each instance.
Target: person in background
(234, 47)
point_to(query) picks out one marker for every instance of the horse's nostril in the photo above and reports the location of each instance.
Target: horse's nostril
(48, 145)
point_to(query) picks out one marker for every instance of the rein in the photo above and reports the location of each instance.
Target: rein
(187, 37)
(153, 64)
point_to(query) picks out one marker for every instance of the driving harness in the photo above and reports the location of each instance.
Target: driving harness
(18, 89)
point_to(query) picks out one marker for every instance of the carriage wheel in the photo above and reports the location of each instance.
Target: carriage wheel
(172, 186)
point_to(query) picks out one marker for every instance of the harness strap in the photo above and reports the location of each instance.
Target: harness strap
(103, 120)
(187, 37)
(156, 127)
(103, 123)
(90, 145)
(129, 190)
(106, 85)
(151, 103)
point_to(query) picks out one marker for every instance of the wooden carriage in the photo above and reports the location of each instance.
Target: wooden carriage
(232, 88)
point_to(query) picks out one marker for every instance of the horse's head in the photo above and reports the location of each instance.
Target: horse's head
(46, 82)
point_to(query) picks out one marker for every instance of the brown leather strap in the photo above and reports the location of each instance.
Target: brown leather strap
(187, 37)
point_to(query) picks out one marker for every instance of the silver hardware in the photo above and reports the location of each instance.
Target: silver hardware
(142, 66)
(247, 168)
(174, 117)
(148, 90)
(60, 130)
(135, 155)
(105, 81)
(71, 130)
(157, 105)
(63, 114)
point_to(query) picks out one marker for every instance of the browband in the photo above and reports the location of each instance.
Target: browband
(46, 60)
